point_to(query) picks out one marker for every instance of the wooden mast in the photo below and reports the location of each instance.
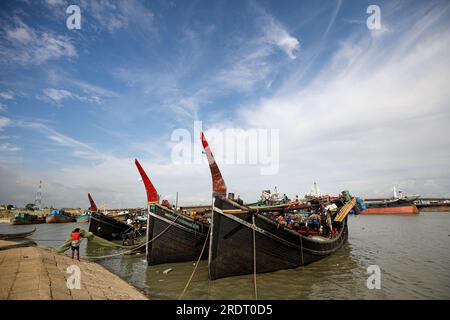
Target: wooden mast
(152, 194)
(219, 187)
(93, 207)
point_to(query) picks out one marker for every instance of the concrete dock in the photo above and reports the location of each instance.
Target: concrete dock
(32, 273)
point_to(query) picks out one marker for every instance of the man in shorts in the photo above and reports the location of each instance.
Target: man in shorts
(76, 243)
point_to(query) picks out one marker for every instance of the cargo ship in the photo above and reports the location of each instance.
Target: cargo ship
(398, 204)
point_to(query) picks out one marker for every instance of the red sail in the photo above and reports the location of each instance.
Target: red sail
(93, 207)
(152, 194)
(219, 187)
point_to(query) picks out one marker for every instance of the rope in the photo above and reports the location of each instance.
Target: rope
(254, 258)
(195, 268)
(141, 245)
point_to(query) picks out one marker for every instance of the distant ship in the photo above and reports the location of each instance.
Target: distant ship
(398, 204)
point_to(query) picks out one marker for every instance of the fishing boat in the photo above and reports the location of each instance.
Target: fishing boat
(20, 235)
(59, 216)
(171, 235)
(105, 226)
(84, 218)
(26, 218)
(245, 240)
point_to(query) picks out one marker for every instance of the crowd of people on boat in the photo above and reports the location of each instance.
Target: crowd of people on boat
(133, 232)
(309, 222)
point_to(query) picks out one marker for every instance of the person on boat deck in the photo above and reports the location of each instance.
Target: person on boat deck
(313, 220)
(129, 236)
(75, 245)
(285, 198)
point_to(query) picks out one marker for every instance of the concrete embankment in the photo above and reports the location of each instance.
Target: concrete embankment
(32, 273)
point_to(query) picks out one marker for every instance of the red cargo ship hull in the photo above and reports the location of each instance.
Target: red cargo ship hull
(412, 209)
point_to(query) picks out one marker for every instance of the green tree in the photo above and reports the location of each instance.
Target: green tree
(30, 207)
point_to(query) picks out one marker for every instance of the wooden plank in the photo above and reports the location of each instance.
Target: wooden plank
(234, 211)
(345, 210)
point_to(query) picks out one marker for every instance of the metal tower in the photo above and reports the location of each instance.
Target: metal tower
(38, 200)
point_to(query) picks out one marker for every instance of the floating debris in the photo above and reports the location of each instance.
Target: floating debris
(167, 271)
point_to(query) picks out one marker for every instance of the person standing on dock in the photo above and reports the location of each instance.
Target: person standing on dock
(76, 243)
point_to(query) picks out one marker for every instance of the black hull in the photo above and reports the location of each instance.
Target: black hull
(231, 249)
(106, 227)
(178, 241)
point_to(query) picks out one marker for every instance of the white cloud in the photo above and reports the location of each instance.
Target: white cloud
(57, 95)
(2, 107)
(74, 147)
(4, 122)
(90, 93)
(20, 34)
(55, 2)
(275, 34)
(7, 147)
(117, 15)
(24, 45)
(6, 95)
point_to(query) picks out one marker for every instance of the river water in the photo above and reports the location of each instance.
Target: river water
(412, 252)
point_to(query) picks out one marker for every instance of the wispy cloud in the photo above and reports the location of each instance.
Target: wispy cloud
(6, 95)
(7, 147)
(23, 45)
(117, 15)
(78, 149)
(55, 2)
(4, 122)
(57, 95)
(275, 34)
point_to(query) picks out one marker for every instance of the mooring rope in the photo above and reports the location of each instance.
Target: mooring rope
(254, 258)
(196, 265)
(141, 245)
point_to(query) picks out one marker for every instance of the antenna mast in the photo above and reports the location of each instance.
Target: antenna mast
(38, 199)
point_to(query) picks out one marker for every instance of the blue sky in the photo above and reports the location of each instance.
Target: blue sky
(357, 109)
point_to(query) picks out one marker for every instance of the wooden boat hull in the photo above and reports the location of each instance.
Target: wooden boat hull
(106, 227)
(26, 222)
(21, 235)
(392, 210)
(175, 239)
(84, 218)
(59, 219)
(232, 252)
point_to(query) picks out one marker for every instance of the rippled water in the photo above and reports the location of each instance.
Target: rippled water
(413, 253)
